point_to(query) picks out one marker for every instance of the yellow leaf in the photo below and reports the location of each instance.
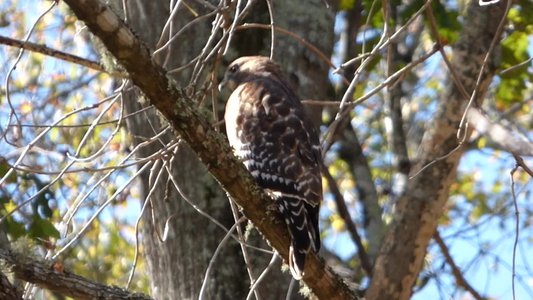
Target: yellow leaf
(26, 107)
(10, 206)
(482, 143)
(337, 223)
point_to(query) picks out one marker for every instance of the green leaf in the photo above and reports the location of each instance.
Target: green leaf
(4, 168)
(513, 83)
(447, 25)
(42, 229)
(346, 4)
(514, 49)
(14, 229)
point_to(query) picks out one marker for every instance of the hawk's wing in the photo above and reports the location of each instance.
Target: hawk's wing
(269, 130)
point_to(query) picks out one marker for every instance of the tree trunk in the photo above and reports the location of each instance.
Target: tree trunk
(177, 266)
(420, 208)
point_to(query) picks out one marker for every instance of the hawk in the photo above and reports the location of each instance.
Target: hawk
(270, 132)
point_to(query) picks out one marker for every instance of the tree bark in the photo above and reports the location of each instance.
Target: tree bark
(177, 266)
(212, 148)
(420, 208)
(51, 276)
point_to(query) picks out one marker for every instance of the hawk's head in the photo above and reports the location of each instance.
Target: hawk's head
(248, 68)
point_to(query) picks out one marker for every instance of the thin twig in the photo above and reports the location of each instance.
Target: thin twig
(64, 56)
(517, 228)
(512, 68)
(494, 42)
(521, 163)
(136, 256)
(435, 34)
(153, 184)
(12, 112)
(245, 256)
(290, 289)
(223, 242)
(98, 211)
(272, 28)
(308, 45)
(262, 276)
(209, 217)
(93, 126)
(351, 104)
(87, 124)
(44, 132)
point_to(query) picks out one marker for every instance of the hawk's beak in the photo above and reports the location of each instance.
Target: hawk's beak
(221, 85)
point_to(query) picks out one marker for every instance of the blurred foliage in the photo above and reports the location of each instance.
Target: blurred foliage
(45, 91)
(480, 198)
(514, 83)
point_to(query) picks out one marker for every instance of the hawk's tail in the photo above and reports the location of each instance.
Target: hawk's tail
(302, 222)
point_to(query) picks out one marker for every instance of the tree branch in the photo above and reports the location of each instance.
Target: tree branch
(351, 152)
(419, 209)
(7, 290)
(350, 225)
(459, 278)
(211, 147)
(521, 163)
(43, 49)
(59, 281)
(506, 138)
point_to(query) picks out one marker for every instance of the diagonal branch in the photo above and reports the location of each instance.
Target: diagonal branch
(350, 225)
(211, 147)
(508, 139)
(420, 207)
(60, 281)
(459, 278)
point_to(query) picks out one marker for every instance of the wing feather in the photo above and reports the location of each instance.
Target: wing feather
(269, 130)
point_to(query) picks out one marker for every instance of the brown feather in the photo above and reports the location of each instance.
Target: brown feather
(270, 131)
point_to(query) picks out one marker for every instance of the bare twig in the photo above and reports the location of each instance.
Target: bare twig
(512, 68)
(301, 40)
(43, 49)
(91, 129)
(262, 276)
(89, 222)
(88, 125)
(351, 104)
(245, 256)
(7, 82)
(521, 163)
(206, 215)
(272, 28)
(517, 228)
(440, 44)
(480, 76)
(221, 245)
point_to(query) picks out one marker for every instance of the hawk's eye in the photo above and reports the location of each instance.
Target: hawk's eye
(233, 68)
